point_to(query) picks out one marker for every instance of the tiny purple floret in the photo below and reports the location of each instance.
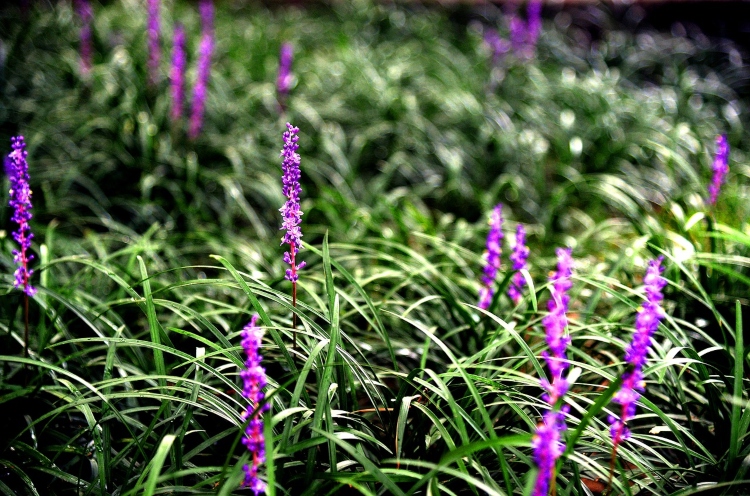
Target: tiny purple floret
(154, 51)
(177, 73)
(518, 257)
(720, 168)
(646, 323)
(254, 380)
(205, 51)
(290, 212)
(17, 170)
(494, 250)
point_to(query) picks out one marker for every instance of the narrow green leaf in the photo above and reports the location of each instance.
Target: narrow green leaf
(739, 358)
(261, 312)
(154, 468)
(153, 325)
(330, 290)
(602, 401)
(323, 406)
(375, 321)
(362, 459)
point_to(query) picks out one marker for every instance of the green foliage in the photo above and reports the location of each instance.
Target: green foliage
(154, 251)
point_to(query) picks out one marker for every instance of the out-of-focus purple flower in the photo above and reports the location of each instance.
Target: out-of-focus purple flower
(547, 448)
(284, 79)
(646, 323)
(534, 20)
(177, 73)
(290, 212)
(525, 34)
(546, 442)
(494, 250)
(518, 35)
(205, 51)
(518, 257)
(555, 323)
(720, 168)
(206, 11)
(497, 45)
(17, 170)
(254, 380)
(152, 32)
(83, 7)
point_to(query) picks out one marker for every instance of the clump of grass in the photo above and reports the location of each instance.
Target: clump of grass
(383, 375)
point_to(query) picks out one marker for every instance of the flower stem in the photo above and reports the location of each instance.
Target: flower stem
(613, 460)
(294, 299)
(294, 315)
(553, 484)
(26, 325)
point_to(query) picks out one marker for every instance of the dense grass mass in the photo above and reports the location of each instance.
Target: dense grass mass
(154, 250)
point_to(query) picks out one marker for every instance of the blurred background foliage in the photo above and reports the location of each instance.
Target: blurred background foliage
(388, 100)
(409, 134)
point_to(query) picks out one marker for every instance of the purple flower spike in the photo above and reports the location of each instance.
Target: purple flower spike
(290, 212)
(518, 257)
(547, 447)
(534, 19)
(177, 73)
(254, 380)
(546, 442)
(87, 16)
(154, 51)
(525, 34)
(494, 250)
(518, 34)
(17, 170)
(646, 323)
(555, 323)
(720, 168)
(496, 44)
(204, 68)
(206, 10)
(284, 79)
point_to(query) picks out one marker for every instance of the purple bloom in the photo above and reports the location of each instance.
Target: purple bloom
(555, 323)
(547, 448)
(494, 250)
(284, 79)
(290, 212)
(720, 168)
(534, 19)
(497, 45)
(87, 15)
(646, 324)
(17, 170)
(154, 53)
(204, 68)
(546, 442)
(254, 380)
(177, 73)
(517, 29)
(518, 257)
(525, 34)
